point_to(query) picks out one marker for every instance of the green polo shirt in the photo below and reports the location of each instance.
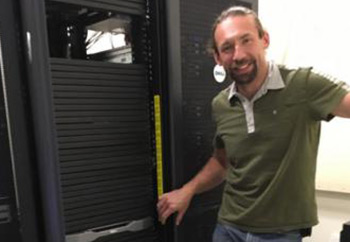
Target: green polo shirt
(271, 143)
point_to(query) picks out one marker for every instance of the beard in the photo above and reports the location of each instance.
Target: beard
(243, 78)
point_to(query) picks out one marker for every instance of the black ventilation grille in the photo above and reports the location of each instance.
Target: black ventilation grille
(198, 89)
(103, 131)
(133, 7)
(198, 85)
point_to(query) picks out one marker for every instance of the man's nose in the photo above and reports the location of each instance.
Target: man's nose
(238, 53)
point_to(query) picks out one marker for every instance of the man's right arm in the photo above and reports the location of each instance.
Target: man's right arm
(212, 174)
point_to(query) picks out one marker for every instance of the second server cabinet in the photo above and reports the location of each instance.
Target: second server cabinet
(192, 88)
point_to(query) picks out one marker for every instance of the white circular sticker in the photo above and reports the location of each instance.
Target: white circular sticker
(219, 73)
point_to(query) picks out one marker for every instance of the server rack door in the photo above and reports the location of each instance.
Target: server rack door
(192, 88)
(98, 80)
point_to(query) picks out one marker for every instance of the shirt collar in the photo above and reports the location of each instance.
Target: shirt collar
(273, 81)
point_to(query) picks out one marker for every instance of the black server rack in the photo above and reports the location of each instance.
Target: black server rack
(192, 88)
(100, 105)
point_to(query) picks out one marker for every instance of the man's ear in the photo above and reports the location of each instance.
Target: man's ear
(217, 58)
(266, 39)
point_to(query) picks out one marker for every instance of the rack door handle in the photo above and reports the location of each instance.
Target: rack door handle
(95, 233)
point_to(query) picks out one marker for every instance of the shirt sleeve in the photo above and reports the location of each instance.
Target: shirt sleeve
(218, 143)
(324, 93)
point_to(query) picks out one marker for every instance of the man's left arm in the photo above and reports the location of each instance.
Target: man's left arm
(343, 109)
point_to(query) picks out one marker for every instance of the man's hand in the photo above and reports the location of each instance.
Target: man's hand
(174, 201)
(212, 174)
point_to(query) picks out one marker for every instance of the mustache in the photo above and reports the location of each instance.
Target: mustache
(238, 63)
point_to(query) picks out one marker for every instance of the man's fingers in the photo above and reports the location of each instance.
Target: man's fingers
(169, 203)
(164, 209)
(179, 217)
(165, 215)
(161, 201)
(161, 210)
(162, 205)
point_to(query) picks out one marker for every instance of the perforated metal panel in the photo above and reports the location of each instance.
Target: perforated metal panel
(198, 90)
(199, 86)
(102, 116)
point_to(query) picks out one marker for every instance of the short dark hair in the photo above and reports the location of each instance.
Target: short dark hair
(232, 12)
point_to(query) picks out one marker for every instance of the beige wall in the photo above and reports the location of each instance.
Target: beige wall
(333, 210)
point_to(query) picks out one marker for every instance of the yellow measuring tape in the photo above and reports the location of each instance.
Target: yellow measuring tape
(159, 155)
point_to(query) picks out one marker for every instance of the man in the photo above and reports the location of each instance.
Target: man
(265, 147)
